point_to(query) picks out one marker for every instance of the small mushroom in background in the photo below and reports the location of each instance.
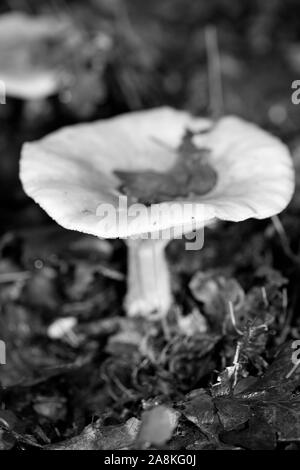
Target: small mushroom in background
(159, 162)
(44, 55)
(25, 66)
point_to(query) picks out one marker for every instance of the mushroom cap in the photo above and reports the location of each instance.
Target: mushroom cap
(20, 37)
(70, 173)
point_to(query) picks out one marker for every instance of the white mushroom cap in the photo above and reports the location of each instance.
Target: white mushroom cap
(257, 178)
(19, 33)
(32, 86)
(70, 173)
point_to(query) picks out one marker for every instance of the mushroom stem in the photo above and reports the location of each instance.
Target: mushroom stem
(149, 286)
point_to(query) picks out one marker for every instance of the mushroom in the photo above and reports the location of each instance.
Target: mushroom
(159, 163)
(28, 66)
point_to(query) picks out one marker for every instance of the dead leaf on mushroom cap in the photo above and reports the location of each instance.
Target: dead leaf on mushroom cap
(191, 175)
(70, 173)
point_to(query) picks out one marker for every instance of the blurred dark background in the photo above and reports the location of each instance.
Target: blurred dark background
(154, 53)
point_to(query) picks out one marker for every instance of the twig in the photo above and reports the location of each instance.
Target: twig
(264, 296)
(284, 239)
(110, 273)
(214, 72)
(291, 372)
(285, 301)
(233, 320)
(236, 363)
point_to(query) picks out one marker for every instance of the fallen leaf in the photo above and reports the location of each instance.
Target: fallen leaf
(99, 437)
(191, 175)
